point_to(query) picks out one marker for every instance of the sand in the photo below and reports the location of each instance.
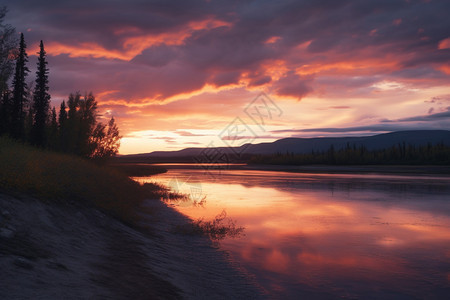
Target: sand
(50, 251)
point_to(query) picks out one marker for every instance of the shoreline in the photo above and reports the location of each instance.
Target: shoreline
(73, 252)
(358, 169)
(319, 169)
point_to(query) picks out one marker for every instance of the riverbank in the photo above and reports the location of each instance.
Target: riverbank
(71, 229)
(326, 169)
(50, 251)
(355, 169)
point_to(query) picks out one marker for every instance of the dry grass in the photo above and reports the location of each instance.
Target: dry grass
(61, 178)
(217, 229)
(138, 170)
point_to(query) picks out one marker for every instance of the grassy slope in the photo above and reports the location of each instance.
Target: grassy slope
(61, 178)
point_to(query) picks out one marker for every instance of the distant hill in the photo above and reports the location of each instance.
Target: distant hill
(307, 145)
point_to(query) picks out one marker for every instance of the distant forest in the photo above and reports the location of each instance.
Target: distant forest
(400, 154)
(25, 112)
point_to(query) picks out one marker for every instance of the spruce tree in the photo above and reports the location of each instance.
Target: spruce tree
(62, 118)
(19, 92)
(5, 113)
(53, 130)
(8, 50)
(63, 134)
(41, 100)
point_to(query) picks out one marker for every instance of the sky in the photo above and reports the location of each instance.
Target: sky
(177, 74)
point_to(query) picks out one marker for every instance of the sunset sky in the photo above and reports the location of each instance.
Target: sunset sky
(176, 74)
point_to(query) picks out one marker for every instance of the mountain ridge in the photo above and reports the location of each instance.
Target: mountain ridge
(307, 145)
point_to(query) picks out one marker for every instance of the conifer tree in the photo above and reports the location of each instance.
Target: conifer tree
(63, 128)
(5, 113)
(19, 92)
(8, 49)
(62, 118)
(41, 100)
(53, 130)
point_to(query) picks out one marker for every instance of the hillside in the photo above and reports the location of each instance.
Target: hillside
(307, 145)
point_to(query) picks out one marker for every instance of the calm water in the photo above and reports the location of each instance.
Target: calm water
(326, 236)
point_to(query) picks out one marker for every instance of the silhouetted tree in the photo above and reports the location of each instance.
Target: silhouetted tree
(41, 100)
(5, 112)
(62, 129)
(396, 154)
(8, 51)
(62, 118)
(19, 92)
(85, 135)
(53, 130)
(87, 115)
(105, 140)
(29, 118)
(72, 123)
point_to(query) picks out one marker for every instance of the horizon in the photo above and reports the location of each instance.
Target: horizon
(257, 143)
(193, 73)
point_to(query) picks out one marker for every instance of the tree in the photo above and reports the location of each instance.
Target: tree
(105, 140)
(5, 113)
(87, 121)
(8, 51)
(19, 92)
(85, 136)
(69, 144)
(62, 118)
(62, 129)
(53, 130)
(41, 100)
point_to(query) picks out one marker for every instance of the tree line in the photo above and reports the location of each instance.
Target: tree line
(400, 154)
(25, 112)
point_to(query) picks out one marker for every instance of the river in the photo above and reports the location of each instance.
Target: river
(326, 236)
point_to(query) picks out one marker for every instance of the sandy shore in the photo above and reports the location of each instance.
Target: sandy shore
(70, 252)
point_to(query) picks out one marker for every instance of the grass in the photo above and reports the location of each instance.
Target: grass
(61, 178)
(217, 229)
(65, 179)
(138, 170)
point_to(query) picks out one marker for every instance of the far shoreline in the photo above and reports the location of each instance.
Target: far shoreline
(406, 170)
(358, 169)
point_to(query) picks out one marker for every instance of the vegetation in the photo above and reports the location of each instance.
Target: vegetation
(216, 230)
(61, 178)
(400, 154)
(138, 170)
(28, 117)
(26, 120)
(19, 98)
(8, 48)
(41, 101)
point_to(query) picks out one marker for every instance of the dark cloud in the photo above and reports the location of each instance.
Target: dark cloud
(293, 85)
(368, 128)
(225, 78)
(142, 51)
(431, 121)
(445, 116)
(260, 81)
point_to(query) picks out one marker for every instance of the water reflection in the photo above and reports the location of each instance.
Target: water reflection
(327, 236)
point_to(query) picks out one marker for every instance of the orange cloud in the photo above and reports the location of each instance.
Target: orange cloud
(363, 66)
(445, 69)
(92, 50)
(135, 45)
(444, 44)
(272, 40)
